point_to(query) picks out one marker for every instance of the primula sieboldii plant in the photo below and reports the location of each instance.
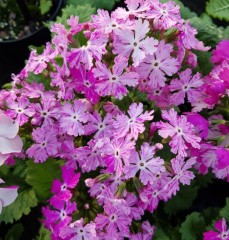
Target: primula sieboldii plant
(106, 99)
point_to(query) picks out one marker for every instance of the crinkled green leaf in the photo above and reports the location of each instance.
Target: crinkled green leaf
(15, 232)
(21, 206)
(82, 11)
(183, 200)
(41, 175)
(204, 64)
(193, 227)
(208, 32)
(218, 9)
(98, 4)
(43, 234)
(45, 6)
(224, 213)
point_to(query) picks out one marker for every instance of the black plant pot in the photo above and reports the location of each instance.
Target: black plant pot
(13, 53)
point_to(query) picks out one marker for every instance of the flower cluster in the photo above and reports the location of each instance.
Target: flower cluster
(106, 97)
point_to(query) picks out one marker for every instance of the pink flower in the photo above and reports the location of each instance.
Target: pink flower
(72, 118)
(187, 85)
(46, 144)
(19, 109)
(188, 39)
(220, 54)
(180, 130)
(158, 65)
(78, 231)
(180, 168)
(135, 42)
(113, 220)
(134, 124)
(146, 163)
(164, 15)
(95, 48)
(113, 83)
(221, 234)
(7, 195)
(117, 154)
(10, 142)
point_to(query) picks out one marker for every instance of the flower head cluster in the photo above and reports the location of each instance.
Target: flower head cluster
(96, 108)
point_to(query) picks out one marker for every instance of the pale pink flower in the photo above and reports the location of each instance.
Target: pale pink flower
(10, 142)
(135, 42)
(7, 195)
(180, 131)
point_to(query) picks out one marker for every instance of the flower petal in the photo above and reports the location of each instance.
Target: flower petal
(8, 128)
(10, 145)
(8, 195)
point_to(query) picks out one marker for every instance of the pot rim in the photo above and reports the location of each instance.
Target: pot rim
(60, 2)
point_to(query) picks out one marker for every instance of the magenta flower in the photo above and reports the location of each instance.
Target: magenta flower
(158, 65)
(113, 83)
(219, 54)
(180, 130)
(134, 124)
(146, 163)
(46, 144)
(85, 83)
(72, 118)
(70, 180)
(221, 234)
(187, 85)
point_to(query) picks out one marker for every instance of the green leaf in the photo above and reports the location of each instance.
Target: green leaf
(193, 227)
(45, 6)
(160, 234)
(183, 200)
(21, 206)
(15, 232)
(43, 234)
(218, 9)
(41, 175)
(204, 63)
(84, 13)
(98, 4)
(224, 213)
(208, 32)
